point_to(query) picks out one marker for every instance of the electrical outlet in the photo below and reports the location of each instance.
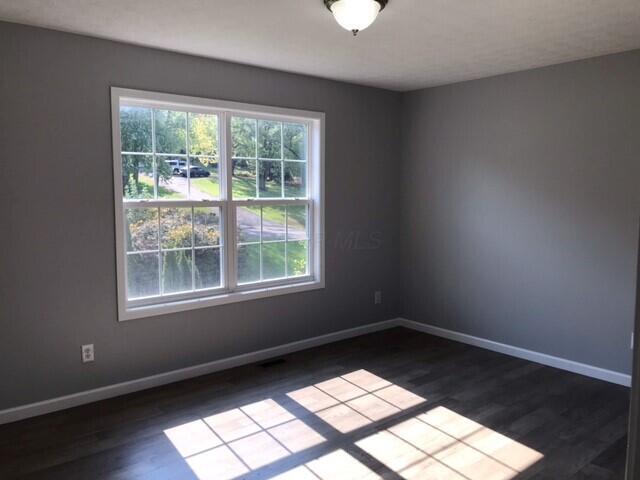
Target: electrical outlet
(377, 297)
(87, 353)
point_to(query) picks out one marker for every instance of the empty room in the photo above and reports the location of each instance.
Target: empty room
(320, 239)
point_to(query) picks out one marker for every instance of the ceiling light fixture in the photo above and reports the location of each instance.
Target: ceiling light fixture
(355, 15)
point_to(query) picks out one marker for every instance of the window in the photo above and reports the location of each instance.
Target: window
(216, 202)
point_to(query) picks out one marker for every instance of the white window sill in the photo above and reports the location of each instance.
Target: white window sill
(132, 313)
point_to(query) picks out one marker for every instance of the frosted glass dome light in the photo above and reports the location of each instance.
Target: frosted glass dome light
(355, 15)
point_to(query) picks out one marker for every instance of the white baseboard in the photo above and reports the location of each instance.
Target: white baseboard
(543, 358)
(88, 396)
(109, 391)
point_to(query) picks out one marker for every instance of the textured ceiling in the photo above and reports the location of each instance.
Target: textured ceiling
(413, 44)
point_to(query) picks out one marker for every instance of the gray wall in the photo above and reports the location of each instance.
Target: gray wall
(633, 452)
(520, 198)
(58, 277)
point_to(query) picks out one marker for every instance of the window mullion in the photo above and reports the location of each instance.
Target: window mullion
(159, 255)
(282, 163)
(188, 159)
(257, 160)
(230, 249)
(311, 241)
(131, 204)
(312, 194)
(193, 212)
(273, 202)
(286, 241)
(261, 228)
(155, 195)
(153, 150)
(193, 250)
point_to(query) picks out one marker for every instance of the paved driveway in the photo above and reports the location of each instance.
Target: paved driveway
(179, 185)
(248, 220)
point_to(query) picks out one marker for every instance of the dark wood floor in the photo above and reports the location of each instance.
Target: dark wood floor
(419, 407)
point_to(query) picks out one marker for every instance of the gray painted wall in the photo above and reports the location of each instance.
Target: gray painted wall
(58, 277)
(633, 451)
(520, 198)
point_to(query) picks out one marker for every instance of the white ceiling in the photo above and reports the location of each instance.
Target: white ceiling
(413, 43)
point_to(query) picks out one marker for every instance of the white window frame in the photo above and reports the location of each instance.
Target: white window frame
(229, 292)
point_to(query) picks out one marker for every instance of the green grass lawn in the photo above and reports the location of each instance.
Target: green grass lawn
(297, 216)
(273, 260)
(243, 187)
(209, 185)
(163, 192)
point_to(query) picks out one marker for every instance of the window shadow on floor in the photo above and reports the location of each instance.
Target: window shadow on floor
(353, 426)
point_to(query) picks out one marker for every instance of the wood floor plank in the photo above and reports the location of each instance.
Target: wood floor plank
(483, 404)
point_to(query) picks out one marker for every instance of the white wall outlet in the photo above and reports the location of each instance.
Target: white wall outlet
(377, 297)
(87, 353)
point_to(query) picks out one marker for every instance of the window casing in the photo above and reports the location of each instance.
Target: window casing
(215, 201)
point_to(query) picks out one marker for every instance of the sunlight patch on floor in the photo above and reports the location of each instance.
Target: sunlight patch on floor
(438, 443)
(192, 438)
(336, 465)
(443, 444)
(232, 443)
(217, 464)
(351, 401)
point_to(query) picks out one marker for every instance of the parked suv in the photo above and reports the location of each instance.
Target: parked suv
(195, 172)
(176, 165)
